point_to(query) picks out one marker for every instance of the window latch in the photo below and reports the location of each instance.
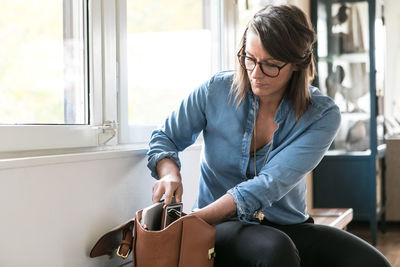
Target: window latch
(109, 131)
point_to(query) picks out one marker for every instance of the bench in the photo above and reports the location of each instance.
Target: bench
(338, 218)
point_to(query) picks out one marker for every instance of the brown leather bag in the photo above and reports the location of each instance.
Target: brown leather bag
(187, 242)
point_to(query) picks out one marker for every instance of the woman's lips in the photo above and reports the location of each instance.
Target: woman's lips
(259, 84)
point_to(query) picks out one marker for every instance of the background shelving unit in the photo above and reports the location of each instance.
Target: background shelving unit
(350, 70)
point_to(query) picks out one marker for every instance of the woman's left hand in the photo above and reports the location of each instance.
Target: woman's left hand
(220, 210)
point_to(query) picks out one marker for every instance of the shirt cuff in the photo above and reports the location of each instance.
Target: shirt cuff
(152, 163)
(243, 212)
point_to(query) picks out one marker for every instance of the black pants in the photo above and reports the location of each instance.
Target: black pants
(243, 245)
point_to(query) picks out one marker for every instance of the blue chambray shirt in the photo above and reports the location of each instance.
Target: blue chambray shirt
(227, 166)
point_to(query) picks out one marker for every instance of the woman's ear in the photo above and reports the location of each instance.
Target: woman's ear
(295, 67)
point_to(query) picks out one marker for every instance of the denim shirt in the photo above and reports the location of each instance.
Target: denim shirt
(227, 166)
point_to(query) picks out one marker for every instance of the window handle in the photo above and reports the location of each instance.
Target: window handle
(109, 131)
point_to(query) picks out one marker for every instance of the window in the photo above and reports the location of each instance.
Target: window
(169, 54)
(71, 70)
(247, 9)
(43, 62)
(172, 47)
(46, 99)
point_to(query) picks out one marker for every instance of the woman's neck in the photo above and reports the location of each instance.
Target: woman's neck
(269, 105)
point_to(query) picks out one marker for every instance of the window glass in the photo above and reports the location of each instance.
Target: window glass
(42, 62)
(247, 9)
(169, 54)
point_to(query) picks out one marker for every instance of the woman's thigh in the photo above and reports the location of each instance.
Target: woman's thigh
(242, 244)
(321, 245)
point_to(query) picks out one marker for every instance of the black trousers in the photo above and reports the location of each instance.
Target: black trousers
(260, 245)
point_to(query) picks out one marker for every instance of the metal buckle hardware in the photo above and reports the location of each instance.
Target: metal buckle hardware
(211, 253)
(259, 215)
(121, 255)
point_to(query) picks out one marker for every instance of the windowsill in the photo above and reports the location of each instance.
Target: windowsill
(11, 160)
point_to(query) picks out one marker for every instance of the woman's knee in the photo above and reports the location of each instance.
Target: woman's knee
(241, 244)
(284, 250)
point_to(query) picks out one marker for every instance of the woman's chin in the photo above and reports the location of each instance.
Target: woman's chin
(259, 91)
(267, 92)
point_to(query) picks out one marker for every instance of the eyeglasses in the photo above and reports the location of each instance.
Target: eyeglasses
(269, 69)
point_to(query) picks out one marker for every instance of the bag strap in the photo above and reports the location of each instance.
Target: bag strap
(118, 239)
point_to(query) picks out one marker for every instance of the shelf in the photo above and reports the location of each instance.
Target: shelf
(342, 152)
(380, 153)
(348, 57)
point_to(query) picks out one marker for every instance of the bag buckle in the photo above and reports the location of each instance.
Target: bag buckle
(122, 255)
(259, 215)
(211, 253)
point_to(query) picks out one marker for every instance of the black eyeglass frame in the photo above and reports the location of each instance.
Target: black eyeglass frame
(239, 55)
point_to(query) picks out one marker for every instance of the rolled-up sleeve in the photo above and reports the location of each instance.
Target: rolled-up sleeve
(286, 168)
(180, 130)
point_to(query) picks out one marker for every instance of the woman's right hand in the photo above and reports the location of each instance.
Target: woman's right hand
(169, 186)
(170, 183)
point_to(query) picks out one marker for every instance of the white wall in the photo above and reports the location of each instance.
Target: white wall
(54, 209)
(392, 76)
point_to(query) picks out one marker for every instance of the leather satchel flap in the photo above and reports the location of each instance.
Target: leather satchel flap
(110, 241)
(197, 243)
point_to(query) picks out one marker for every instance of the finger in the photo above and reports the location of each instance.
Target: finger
(155, 186)
(178, 194)
(157, 194)
(168, 198)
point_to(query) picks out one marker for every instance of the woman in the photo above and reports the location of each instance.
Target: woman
(264, 129)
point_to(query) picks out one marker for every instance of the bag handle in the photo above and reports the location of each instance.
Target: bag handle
(118, 239)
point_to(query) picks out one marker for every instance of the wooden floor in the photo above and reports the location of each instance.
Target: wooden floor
(388, 243)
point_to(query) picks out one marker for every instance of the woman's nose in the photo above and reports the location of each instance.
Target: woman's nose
(256, 72)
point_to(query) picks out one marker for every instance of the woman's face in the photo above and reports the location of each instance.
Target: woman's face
(262, 85)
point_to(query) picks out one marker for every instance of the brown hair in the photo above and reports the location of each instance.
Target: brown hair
(287, 35)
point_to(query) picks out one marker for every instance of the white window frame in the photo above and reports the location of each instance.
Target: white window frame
(102, 90)
(223, 24)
